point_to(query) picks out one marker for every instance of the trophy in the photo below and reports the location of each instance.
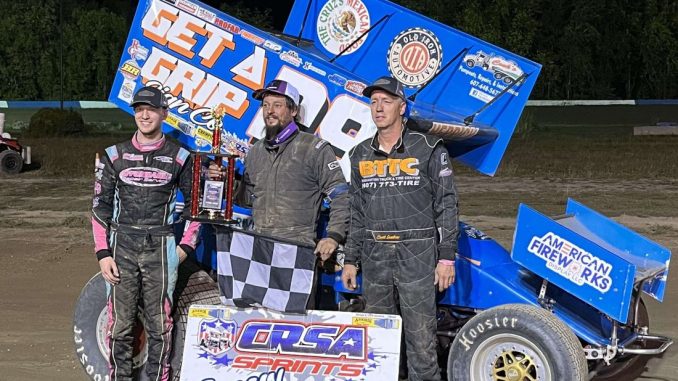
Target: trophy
(213, 202)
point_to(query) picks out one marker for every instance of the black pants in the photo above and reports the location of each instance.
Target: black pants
(403, 273)
(148, 272)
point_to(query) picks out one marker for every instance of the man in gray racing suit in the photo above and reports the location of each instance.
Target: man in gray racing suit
(404, 224)
(132, 221)
(287, 175)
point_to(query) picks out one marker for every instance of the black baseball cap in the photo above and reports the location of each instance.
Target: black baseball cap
(387, 84)
(151, 96)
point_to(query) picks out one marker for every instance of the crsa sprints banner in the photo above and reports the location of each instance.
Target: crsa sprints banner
(228, 343)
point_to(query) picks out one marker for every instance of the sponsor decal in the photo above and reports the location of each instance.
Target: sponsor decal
(572, 262)
(251, 37)
(368, 321)
(206, 15)
(227, 26)
(415, 56)
(291, 57)
(272, 46)
(389, 167)
(443, 158)
(132, 156)
(502, 69)
(341, 22)
(164, 159)
(130, 69)
(216, 336)
(137, 51)
(145, 176)
(474, 233)
(389, 172)
(170, 1)
(355, 87)
(490, 74)
(337, 79)
(187, 6)
(333, 165)
(127, 90)
(480, 95)
(308, 65)
(95, 202)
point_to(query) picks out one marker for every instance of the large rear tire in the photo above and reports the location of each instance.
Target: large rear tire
(89, 333)
(516, 342)
(194, 286)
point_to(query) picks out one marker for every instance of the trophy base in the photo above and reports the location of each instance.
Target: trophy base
(214, 221)
(215, 217)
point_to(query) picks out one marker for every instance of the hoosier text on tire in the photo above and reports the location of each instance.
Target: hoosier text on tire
(516, 342)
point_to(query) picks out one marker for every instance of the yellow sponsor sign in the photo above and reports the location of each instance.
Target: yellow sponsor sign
(363, 321)
(199, 312)
(172, 121)
(131, 69)
(204, 134)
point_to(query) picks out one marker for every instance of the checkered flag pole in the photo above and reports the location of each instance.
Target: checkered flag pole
(260, 271)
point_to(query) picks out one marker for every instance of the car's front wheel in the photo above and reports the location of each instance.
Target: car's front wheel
(516, 342)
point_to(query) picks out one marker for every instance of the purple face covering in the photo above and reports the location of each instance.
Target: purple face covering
(283, 135)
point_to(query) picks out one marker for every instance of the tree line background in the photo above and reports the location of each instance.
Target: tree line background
(589, 49)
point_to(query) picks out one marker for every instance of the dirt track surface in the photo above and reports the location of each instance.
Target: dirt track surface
(46, 255)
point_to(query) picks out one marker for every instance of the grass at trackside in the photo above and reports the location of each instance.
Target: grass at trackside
(109, 118)
(537, 149)
(589, 153)
(564, 153)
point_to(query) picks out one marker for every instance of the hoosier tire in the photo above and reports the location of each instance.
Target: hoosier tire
(89, 333)
(194, 286)
(516, 342)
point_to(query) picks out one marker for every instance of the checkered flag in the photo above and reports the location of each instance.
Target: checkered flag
(258, 271)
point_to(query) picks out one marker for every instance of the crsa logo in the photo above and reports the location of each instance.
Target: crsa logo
(216, 336)
(291, 338)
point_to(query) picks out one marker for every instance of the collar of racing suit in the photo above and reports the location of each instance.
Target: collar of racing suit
(147, 147)
(398, 146)
(283, 136)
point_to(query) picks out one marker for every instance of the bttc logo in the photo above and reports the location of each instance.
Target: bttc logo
(389, 167)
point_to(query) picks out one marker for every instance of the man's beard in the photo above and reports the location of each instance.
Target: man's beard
(273, 131)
